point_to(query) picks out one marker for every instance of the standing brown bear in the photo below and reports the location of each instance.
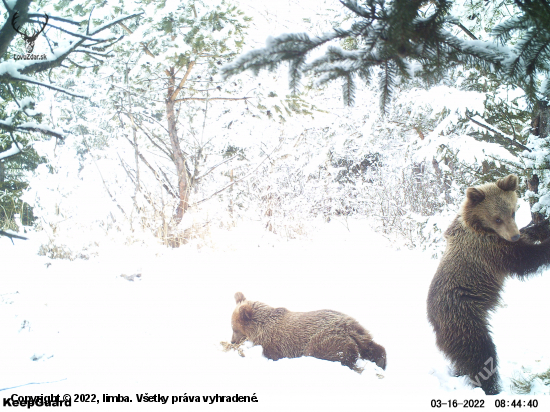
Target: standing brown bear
(323, 334)
(484, 246)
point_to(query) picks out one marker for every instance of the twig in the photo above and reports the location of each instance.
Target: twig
(468, 32)
(150, 136)
(102, 179)
(32, 383)
(170, 192)
(241, 179)
(212, 98)
(215, 166)
(11, 236)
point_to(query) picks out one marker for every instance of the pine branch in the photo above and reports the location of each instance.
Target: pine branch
(538, 56)
(402, 66)
(295, 74)
(387, 83)
(348, 89)
(516, 67)
(287, 47)
(359, 10)
(498, 133)
(503, 31)
(395, 36)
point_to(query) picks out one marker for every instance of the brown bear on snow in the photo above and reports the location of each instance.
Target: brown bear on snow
(484, 246)
(323, 334)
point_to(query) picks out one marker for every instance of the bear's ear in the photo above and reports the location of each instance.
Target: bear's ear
(474, 195)
(245, 313)
(509, 183)
(239, 297)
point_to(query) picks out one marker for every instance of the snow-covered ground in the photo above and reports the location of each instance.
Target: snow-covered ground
(86, 329)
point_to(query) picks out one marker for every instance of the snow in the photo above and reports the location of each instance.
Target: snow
(39, 126)
(86, 329)
(12, 151)
(12, 68)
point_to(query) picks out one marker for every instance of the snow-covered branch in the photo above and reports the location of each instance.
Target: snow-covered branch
(19, 70)
(9, 73)
(480, 122)
(12, 151)
(26, 127)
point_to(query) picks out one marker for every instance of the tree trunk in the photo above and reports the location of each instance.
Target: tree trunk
(136, 151)
(540, 127)
(7, 32)
(533, 186)
(177, 155)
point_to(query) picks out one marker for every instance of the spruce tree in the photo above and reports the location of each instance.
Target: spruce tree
(392, 41)
(528, 66)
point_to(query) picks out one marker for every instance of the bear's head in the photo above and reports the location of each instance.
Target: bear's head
(242, 315)
(491, 208)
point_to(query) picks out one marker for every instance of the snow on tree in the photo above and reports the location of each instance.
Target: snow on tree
(402, 42)
(62, 41)
(388, 41)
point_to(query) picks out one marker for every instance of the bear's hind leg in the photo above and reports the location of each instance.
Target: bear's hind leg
(470, 348)
(332, 346)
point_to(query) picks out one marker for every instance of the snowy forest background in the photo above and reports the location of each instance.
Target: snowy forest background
(152, 180)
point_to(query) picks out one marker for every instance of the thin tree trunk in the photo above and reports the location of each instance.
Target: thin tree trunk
(177, 155)
(540, 127)
(136, 152)
(2, 172)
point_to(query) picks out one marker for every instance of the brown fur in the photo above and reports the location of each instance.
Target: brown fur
(323, 334)
(483, 248)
